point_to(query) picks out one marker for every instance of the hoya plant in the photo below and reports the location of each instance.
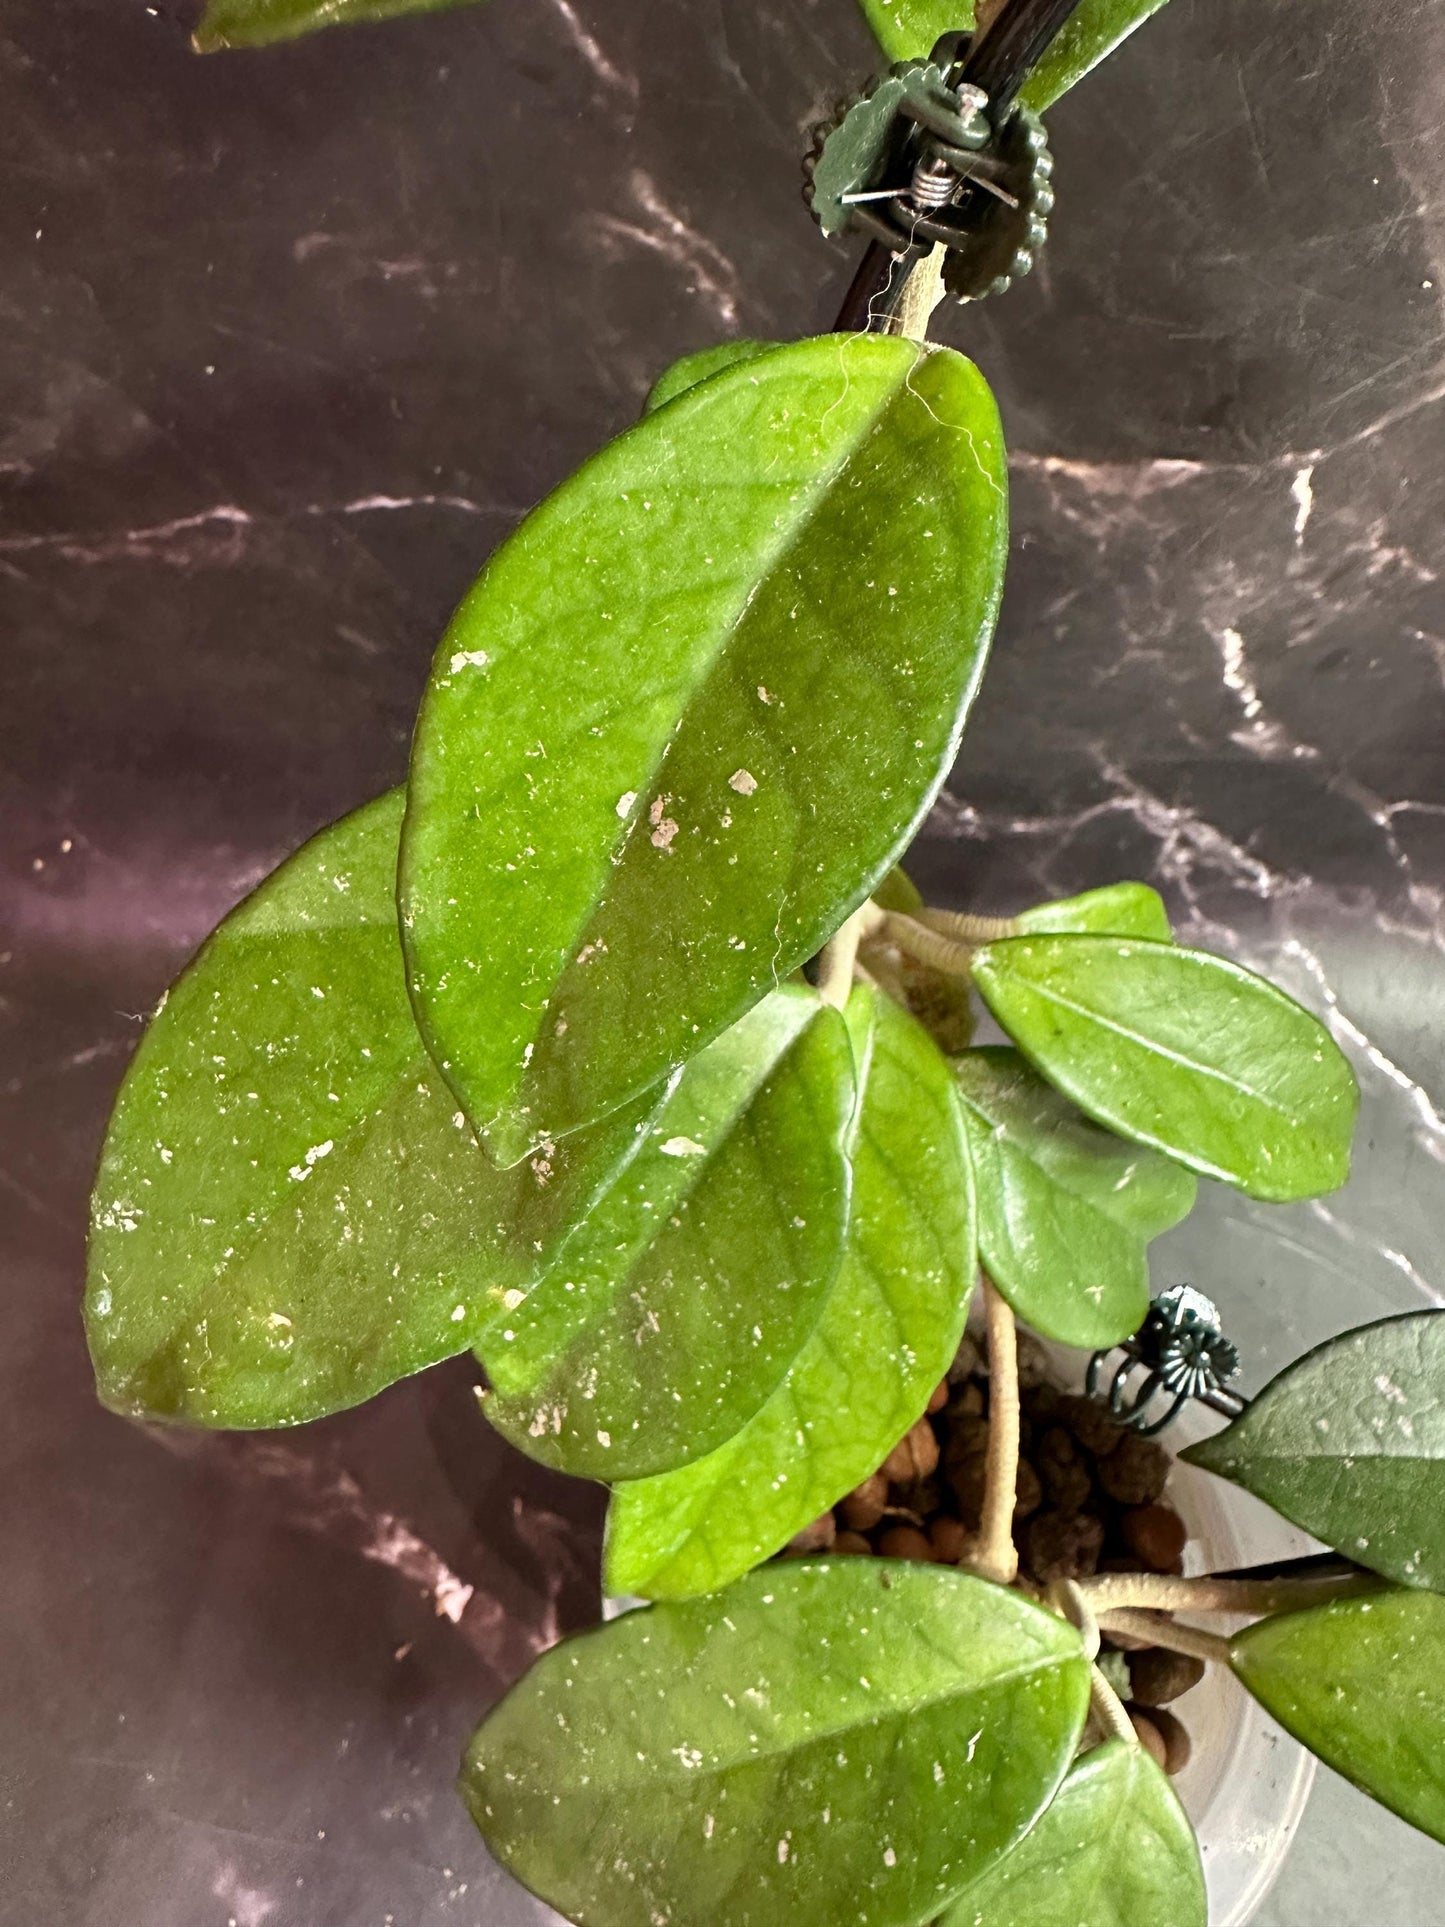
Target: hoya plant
(617, 1049)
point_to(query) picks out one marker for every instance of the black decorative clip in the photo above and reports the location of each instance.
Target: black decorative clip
(922, 157)
(1183, 1354)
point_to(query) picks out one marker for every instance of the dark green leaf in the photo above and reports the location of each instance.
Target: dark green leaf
(692, 369)
(259, 23)
(690, 715)
(674, 1312)
(1349, 1443)
(1118, 910)
(289, 1212)
(1094, 31)
(1113, 1850)
(1184, 1051)
(886, 1336)
(846, 1741)
(907, 29)
(1361, 1683)
(1065, 1209)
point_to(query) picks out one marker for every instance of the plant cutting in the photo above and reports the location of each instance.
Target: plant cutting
(617, 1049)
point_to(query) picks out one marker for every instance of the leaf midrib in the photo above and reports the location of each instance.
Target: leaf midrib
(1118, 1029)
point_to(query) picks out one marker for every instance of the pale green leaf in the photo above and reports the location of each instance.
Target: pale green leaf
(290, 1212)
(689, 716)
(1361, 1683)
(1117, 910)
(899, 892)
(671, 1315)
(260, 23)
(848, 1741)
(887, 1334)
(1065, 1209)
(691, 369)
(1349, 1443)
(1183, 1051)
(1114, 1849)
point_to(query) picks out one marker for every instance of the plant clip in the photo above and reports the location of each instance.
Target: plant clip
(922, 157)
(1183, 1353)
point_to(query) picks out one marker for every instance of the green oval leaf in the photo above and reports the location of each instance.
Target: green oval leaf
(1113, 1850)
(887, 1334)
(691, 369)
(1349, 1443)
(1065, 1209)
(1095, 29)
(908, 29)
(689, 716)
(1361, 1684)
(846, 1741)
(1116, 910)
(260, 23)
(1183, 1051)
(676, 1309)
(290, 1213)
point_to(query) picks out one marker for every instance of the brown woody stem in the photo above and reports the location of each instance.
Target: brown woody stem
(1162, 1592)
(997, 1557)
(1158, 1629)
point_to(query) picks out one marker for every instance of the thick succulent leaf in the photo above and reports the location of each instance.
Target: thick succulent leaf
(1113, 1850)
(290, 1213)
(691, 369)
(672, 1314)
(908, 29)
(1092, 33)
(1117, 910)
(690, 715)
(1349, 1443)
(1065, 1209)
(1183, 1051)
(1361, 1683)
(844, 1741)
(887, 1334)
(260, 23)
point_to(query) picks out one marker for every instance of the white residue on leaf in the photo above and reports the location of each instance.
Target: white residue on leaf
(890, 1858)
(459, 1312)
(604, 1439)
(783, 1851)
(625, 802)
(469, 659)
(689, 1755)
(743, 781)
(683, 1147)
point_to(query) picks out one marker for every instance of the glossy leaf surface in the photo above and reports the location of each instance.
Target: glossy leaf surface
(1113, 1850)
(688, 717)
(1116, 910)
(1183, 1051)
(887, 1334)
(1361, 1684)
(908, 29)
(260, 23)
(290, 1213)
(674, 1312)
(1065, 1209)
(691, 369)
(1349, 1443)
(1089, 36)
(844, 1741)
